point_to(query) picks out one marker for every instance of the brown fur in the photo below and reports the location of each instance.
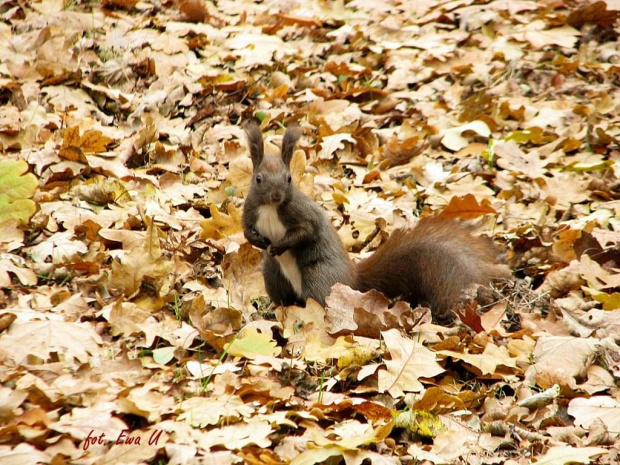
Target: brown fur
(431, 264)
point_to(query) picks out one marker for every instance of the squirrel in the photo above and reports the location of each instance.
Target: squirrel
(430, 264)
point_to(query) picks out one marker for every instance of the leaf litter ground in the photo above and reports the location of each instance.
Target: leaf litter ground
(134, 323)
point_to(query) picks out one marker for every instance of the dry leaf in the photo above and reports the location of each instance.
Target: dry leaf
(410, 360)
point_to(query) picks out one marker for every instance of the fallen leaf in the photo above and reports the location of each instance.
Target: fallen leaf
(454, 140)
(251, 344)
(560, 455)
(410, 360)
(586, 411)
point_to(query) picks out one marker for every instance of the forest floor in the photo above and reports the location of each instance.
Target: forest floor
(133, 317)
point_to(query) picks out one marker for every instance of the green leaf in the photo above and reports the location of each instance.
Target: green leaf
(16, 191)
(163, 355)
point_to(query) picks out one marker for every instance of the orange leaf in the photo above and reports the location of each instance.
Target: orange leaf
(466, 208)
(94, 141)
(471, 318)
(71, 137)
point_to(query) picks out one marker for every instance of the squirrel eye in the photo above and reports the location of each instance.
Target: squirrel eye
(289, 178)
(259, 178)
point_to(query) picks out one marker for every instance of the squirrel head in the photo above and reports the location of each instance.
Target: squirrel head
(271, 177)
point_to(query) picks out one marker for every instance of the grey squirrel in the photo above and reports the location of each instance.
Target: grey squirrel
(431, 264)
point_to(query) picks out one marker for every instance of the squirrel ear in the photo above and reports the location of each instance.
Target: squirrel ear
(291, 136)
(255, 142)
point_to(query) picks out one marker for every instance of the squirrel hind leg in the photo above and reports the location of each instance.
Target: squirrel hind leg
(319, 279)
(278, 287)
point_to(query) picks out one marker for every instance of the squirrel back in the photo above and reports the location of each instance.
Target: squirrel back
(432, 264)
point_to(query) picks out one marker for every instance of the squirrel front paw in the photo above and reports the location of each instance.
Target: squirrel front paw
(276, 250)
(257, 239)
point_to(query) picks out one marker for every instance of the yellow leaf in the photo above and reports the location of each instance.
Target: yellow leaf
(16, 191)
(253, 344)
(609, 301)
(221, 224)
(422, 423)
(94, 141)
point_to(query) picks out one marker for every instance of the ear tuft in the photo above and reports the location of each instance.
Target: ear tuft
(291, 136)
(255, 142)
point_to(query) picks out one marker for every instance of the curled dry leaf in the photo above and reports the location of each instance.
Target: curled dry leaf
(576, 355)
(453, 138)
(218, 326)
(366, 314)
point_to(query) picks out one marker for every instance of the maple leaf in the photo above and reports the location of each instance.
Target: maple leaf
(569, 454)
(488, 361)
(201, 412)
(15, 265)
(603, 408)
(237, 436)
(576, 353)
(144, 261)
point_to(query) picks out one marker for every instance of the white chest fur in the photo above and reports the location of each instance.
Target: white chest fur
(269, 225)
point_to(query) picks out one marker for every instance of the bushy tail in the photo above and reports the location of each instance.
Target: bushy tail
(431, 264)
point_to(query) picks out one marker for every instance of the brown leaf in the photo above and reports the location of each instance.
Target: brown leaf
(195, 10)
(243, 278)
(398, 153)
(366, 314)
(71, 137)
(595, 13)
(471, 317)
(221, 224)
(437, 400)
(216, 327)
(6, 319)
(94, 141)
(466, 208)
(124, 4)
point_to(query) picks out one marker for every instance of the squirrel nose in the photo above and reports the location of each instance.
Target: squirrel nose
(276, 196)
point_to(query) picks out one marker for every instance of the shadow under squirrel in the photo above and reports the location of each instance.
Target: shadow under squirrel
(431, 264)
